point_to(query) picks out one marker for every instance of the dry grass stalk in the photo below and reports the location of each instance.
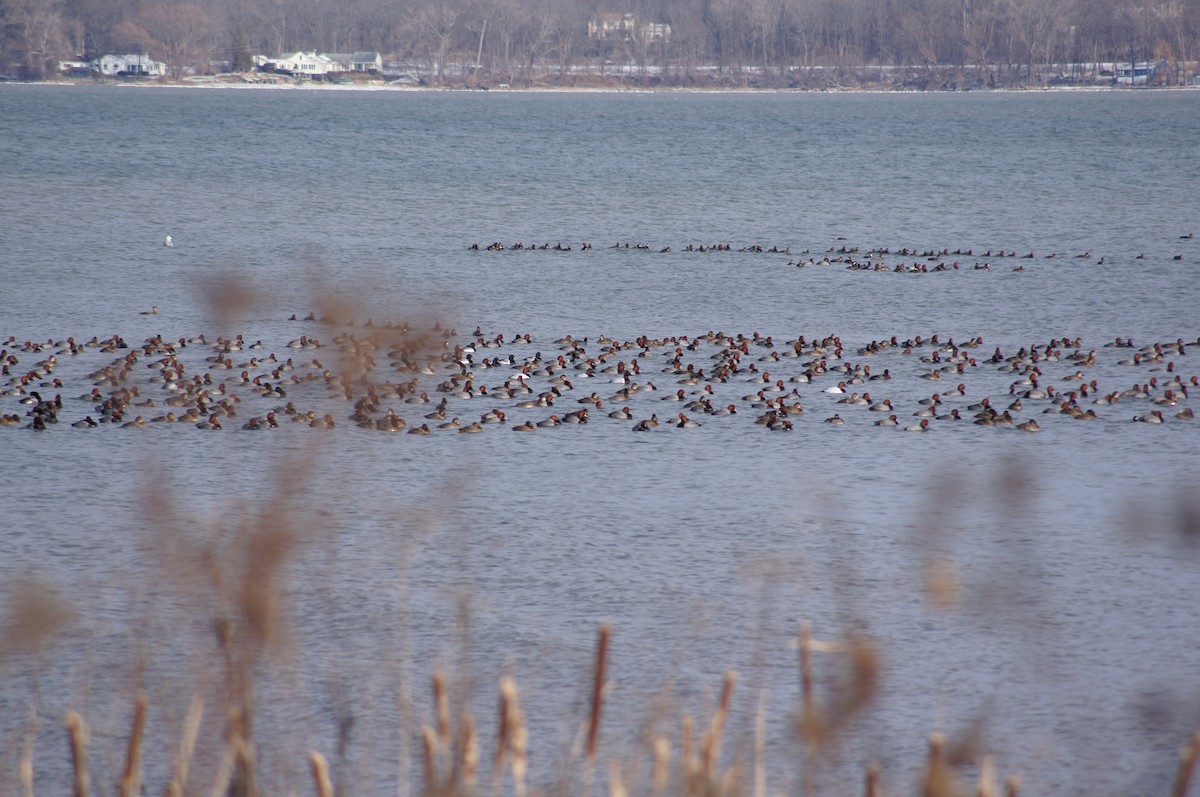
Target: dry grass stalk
(710, 745)
(806, 680)
(470, 751)
(1187, 767)
(513, 734)
(760, 747)
(441, 703)
(320, 770)
(520, 763)
(872, 780)
(939, 778)
(864, 683)
(662, 764)
(25, 766)
(429, 746)
(78, 734)
(616, 782)
(437, 742)
(1012, 787)
(131, 779)
(243, 781)
(224, 771)
(187, 745)
(812, 722)
(687, 734)
(987, 778)
(502, 735)
(598, 689)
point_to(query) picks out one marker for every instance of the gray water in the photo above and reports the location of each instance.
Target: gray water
(1076, 635)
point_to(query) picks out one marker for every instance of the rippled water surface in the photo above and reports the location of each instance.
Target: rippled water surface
(1074, 640)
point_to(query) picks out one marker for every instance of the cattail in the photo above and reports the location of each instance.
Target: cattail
(598, 689)
(616, 785)
(518, 735)
(1012, 786)
(320, 770)
(78, 752)
(131, 778)
(187, 744)
(1187, 766)
(662, 764)
(872, 780)
(712, 738)
(987, 778)
(938, 778)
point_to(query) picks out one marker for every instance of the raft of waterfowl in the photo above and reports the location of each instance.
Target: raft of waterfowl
(397, 377)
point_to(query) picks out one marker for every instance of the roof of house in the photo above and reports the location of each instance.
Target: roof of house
(362, 57)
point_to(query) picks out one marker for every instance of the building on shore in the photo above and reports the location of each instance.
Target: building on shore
(130, 65)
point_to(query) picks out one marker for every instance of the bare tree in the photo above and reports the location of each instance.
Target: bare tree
(38, 28)
(182, 35)
(434, 25)
(1035, 24)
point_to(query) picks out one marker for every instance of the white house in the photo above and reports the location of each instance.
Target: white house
(304, 64)
(140, 64)
(612, 26)
(357, 62)
(1137, 74)
(624, 27)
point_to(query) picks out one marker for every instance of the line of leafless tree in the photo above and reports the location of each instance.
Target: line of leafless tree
(530, 42)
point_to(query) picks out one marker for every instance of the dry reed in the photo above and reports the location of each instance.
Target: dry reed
(1187, 766)
(131, 778)
(78, 734)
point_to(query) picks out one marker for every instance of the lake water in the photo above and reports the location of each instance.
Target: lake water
(1074, 640)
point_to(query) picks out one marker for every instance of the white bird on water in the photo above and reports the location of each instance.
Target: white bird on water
(168, 241)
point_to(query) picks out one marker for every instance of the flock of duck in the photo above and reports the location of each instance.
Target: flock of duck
(853, 258)
(400, 378)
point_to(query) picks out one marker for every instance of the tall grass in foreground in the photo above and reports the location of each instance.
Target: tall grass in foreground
(453, 764)
(455, 757)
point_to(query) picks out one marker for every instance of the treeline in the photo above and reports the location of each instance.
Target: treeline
(765, 43)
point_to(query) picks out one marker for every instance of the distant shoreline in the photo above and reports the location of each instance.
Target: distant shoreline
(313, 86)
